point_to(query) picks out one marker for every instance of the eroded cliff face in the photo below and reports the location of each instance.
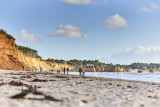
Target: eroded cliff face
(8, 54)
(13, 59)
(103, 69)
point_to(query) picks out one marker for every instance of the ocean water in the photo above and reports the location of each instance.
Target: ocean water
(149, 77)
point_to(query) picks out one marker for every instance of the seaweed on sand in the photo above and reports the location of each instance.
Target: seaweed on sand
(34, 95)
(39, 80)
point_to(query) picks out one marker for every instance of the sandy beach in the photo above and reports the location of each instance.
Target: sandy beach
(35, 89)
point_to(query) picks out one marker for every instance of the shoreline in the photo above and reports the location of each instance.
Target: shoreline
(94, 77)
(114, 79)
(73, 91)
(158, 82)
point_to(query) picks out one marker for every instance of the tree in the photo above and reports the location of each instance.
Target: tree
(28, 51)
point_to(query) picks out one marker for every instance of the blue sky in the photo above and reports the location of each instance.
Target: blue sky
(112, 31)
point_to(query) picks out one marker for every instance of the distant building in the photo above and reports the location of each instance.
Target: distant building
(89, 65)
(133, 70)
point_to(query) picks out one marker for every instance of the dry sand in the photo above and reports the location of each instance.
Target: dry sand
(31, 89)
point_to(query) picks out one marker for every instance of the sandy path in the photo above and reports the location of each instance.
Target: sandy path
(74, 91)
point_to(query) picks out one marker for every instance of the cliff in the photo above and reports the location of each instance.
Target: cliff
(103, 69)
(12, 58)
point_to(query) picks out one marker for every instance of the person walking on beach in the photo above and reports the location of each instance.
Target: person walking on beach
(151, 70)
(58, 71)
(64, 70)
(35, 69)
(83, 72)
(67, 70)
(40, 69)
(23, 68)
(80, 71)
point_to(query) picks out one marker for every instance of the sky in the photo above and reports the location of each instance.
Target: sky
(112, 31)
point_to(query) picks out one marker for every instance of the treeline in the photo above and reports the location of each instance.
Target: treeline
(80, 62)
(3, 32)
(28, 51)
(141, 66)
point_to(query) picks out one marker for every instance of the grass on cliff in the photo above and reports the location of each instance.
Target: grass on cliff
(6, 34)
(28, 51)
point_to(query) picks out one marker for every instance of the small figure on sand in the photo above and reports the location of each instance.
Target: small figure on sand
(58, 71)
(80, 71)
(151, 70)
(83, 72)
(41, 69)
(35, 69)
(67, 70)
(64, 70)
(23, 68)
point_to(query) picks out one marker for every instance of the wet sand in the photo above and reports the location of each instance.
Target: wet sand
(33, 89)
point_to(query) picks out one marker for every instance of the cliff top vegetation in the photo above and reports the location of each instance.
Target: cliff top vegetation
(80, 62)
(28, 51)
(3, 32)
(141, 66)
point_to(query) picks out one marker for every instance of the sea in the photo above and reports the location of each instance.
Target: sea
(149, 77)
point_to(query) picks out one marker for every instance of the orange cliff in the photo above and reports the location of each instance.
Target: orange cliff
(13, 59)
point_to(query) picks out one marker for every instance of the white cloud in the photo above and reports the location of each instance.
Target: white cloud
(69, 31)
(152, 8)
(84, 2)
(25, 36)
(138, 54)
(116, 22)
